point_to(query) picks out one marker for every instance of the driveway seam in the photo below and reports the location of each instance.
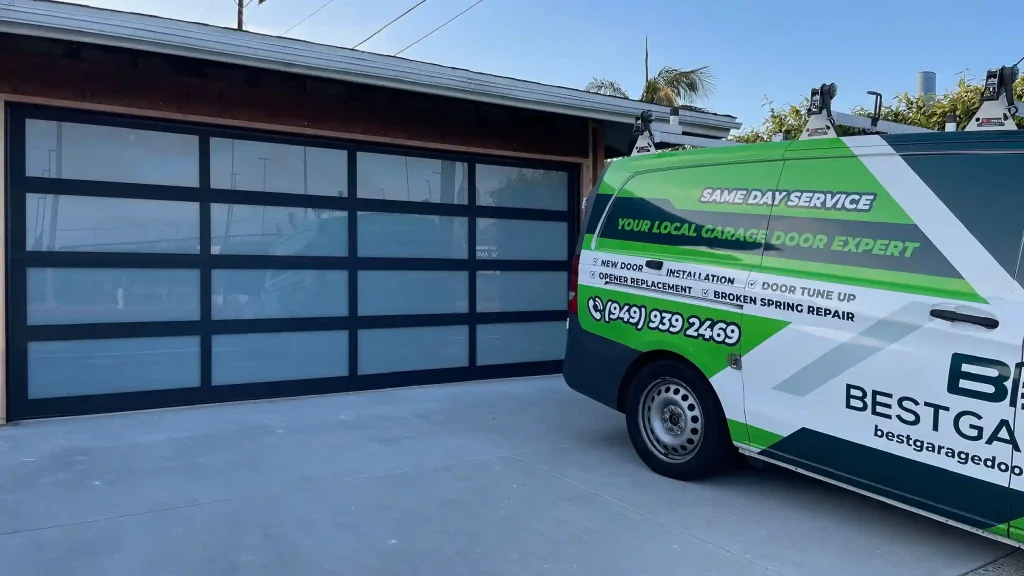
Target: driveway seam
(253, 495)
(648, 516)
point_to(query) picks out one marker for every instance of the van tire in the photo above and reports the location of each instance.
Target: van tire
(688, 436)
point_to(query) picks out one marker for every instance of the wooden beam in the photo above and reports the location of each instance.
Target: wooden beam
(281, 100)
(286, 129)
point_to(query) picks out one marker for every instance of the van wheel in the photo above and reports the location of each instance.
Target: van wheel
(676, 423)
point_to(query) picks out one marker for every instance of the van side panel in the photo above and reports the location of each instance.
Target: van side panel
(864, 386)
(984, 190)
(706, 225)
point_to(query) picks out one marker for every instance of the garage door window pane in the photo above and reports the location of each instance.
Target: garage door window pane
(521, 291)
(521, 239)
(509, 187)
(267, 167)
(244, 358)
(278, 231)
(85, 367)
(390, 292)
(102, 153)
(279, 293)
(385, 235)
(94, 295)
(393, 177)
(58, 223)
(520, 342)
(405, 349)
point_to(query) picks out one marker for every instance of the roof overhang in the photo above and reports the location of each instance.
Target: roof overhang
(86, 24)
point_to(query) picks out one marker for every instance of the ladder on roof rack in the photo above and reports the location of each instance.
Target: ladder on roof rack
(997, 112)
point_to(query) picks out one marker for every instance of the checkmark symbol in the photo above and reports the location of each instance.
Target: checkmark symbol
(592, 273)
(704, 292)
(751, 283)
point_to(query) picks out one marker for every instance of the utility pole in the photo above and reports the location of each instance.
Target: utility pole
(241, 11)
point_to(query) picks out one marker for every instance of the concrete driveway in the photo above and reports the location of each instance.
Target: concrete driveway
(511, 477)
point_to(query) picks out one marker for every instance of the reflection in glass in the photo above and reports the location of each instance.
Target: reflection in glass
(388, 292)
(90, 224)
(510, 187)
(279, 293)
(102, 153)
(93, 295)
(278, 231)
(391, 177)
(273, 357)
(385, 235)
(404, 349)
(520, 342)
(267, 167)
(507, 291)
(83, 367)
(521, 239)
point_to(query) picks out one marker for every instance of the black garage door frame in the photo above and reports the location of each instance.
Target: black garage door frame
(20, 333)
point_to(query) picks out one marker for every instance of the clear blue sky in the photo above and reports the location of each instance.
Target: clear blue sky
(777, 49)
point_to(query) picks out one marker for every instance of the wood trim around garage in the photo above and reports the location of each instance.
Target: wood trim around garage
(269, 127)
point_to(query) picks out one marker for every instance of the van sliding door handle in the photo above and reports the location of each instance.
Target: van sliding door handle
(654, 264)
(953, 316)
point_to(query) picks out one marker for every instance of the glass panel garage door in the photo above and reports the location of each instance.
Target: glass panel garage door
(156, 264)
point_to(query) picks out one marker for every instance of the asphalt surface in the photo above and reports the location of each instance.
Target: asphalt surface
(501, 478)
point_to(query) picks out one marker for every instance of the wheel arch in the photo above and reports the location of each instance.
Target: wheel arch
(646, 358)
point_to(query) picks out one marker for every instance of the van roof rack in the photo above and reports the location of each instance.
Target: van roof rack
(997, 112)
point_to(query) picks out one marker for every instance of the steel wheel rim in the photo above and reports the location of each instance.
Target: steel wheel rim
(671, 420)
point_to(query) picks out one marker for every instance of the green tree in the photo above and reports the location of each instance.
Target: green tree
(963, 100)
(669, 87)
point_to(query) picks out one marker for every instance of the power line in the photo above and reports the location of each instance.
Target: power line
(427, 35)
(314, 13)
(381, 29)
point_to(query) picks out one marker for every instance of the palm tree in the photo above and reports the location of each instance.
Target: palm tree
(669, 87)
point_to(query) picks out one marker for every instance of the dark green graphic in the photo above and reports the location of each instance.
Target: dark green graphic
(855, 243)
(979, 185)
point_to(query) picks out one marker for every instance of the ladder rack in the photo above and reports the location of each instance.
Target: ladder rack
(997, 112)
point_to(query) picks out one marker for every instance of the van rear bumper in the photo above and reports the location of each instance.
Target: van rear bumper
(594, 365)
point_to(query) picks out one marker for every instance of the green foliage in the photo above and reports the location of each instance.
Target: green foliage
(905, 109)
(669, 87)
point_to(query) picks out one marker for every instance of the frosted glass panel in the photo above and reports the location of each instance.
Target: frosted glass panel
(413, 292)
(242, 358)
(521, 239)
(266, 167)
(101, 153)
(520, 342)
(279, 293)
(521, 291)
(88, 295)
(404, 349)
(392, 177)
(58, 223)
(84, 367)
(275, 230)
(510, 187)
(411, 236)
